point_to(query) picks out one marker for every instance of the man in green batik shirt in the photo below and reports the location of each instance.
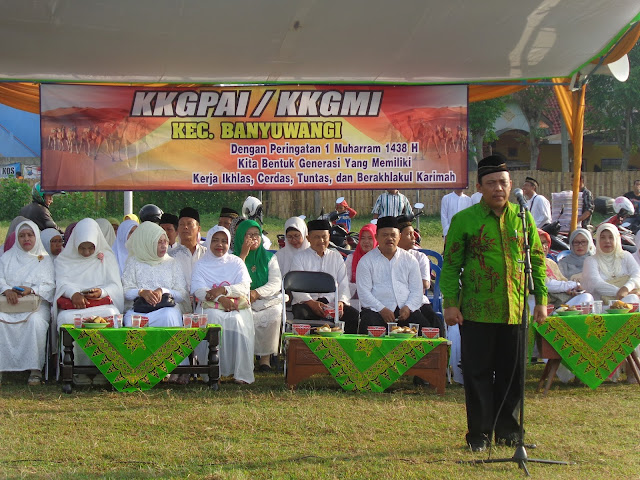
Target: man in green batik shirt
(483, 284)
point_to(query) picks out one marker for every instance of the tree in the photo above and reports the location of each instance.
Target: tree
(612, 108)
(532, 102)
(482, 118)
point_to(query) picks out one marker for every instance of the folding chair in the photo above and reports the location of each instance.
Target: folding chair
(436, 298)
(308, 282)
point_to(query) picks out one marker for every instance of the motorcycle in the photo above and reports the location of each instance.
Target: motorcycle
(559, 240)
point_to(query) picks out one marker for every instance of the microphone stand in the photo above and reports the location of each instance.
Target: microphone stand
(520, 456)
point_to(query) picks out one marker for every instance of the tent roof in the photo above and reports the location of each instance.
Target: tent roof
(400, 41)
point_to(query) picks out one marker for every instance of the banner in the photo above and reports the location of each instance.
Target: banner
(309, 137)
(10, 170)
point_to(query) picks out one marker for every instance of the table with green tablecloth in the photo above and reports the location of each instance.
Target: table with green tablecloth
(591, 346)
(359, 362)
(135, 359)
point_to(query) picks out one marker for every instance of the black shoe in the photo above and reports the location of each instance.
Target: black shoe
(509, 440)
(478, 445)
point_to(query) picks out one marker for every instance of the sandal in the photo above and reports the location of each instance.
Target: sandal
(35, 379)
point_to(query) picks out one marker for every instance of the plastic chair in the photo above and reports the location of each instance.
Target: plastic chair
(436, 298)
(435, 255)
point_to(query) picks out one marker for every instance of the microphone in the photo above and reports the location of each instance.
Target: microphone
(520, 198)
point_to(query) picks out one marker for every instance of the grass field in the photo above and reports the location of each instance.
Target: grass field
(266, 431)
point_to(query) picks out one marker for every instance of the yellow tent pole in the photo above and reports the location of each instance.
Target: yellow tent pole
(577, 137)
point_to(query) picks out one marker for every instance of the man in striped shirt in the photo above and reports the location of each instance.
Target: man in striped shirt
(391, 204)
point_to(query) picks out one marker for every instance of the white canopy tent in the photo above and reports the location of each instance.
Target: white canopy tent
(315, 41)
(258, 41)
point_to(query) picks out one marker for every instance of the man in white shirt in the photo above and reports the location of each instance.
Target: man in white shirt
(317, 258)
(391, 203)
(408, 242)
(538, 205)
(451, 204)
(190, 250)
(475, 198)
(389, 282)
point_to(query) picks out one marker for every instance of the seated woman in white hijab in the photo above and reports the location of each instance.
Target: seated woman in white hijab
(107, 230)
(150, 273)
(23, 335)
(612, 273)
(86, 274)
(12, 228)
(125, 230)
(220, 279)
(265, 296)
(295, 240)
(582, 247)
(52, 242)
(560, 290)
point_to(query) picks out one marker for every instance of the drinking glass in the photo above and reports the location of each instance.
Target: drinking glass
(135, 321)
(340, 324)
(415, 326)
(203, 320)
(77, 320)
(597, 306)
(391, 326)
(117, 320)
(186, 320)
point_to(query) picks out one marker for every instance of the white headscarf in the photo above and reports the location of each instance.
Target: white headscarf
(609, 264)
(75, 273)
(212, 271)
(46, 236)
(143, 243)
(285, 255)
(33, 269)
(120, 248)
(107, 230)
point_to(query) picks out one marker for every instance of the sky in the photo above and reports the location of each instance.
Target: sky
(15, 126)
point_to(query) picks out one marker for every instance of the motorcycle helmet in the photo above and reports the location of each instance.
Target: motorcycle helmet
(252, 208)
(38, 193)
(150, 213)
(623, 207)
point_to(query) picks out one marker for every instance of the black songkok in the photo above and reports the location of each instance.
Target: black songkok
(228, 212)
(318, 225)
(404, 221)
(492, 164)
(387, 222)
(532, 181)
(169, 218)
(190, 213)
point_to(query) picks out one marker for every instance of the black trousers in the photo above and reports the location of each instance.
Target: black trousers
(369, 318)
(489, 356)
(350, 315)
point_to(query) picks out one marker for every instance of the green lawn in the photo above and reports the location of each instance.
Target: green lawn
(265, 431)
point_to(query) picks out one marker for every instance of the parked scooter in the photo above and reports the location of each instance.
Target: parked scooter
(623, 209)
(559, 240)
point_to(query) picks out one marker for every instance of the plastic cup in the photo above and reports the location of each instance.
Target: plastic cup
(117, 320)
(135, 321)
(587, 308)
(597, 306)
(203, 320)
(391, 326)
(415, 326)
(186, 320)
(550, 309)
(340, 324)
(77, 320)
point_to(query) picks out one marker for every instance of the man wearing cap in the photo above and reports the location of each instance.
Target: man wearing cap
(318, 258)
(451, 204)
(190, 249)
(169, 224)
(391, 203)
(407, 242)
(345, 214)
(537, 204)
(388, 281)
(226, 217)
(483, 285)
